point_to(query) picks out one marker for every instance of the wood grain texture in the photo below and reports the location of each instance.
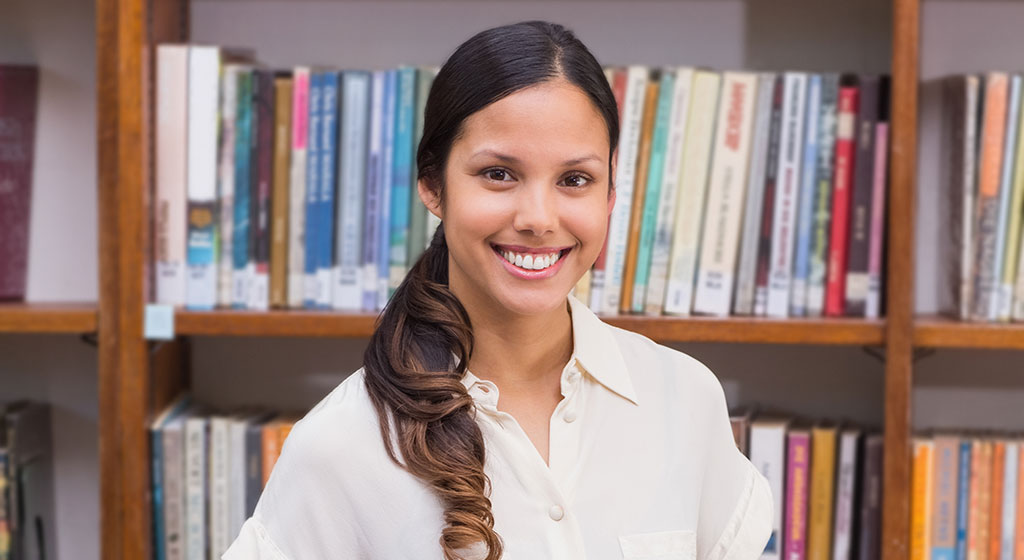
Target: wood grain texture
(900, 282)
(55, 318)
(942, 332)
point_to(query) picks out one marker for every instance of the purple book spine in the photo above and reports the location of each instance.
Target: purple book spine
(797, 469)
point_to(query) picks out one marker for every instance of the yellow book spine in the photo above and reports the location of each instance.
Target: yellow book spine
(823, 476)
(920, 500)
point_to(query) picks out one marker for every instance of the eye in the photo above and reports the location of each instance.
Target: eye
(576, 180)
(497, 174)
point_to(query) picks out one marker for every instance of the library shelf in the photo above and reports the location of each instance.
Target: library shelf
(936, 331)
(53, 318)
(308, 323)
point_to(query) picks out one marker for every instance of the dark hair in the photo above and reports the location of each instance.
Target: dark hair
(421, 347)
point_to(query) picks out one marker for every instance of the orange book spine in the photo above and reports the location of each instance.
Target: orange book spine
(636, 214)
(280, 192)
(271, 448)
(920, 500)
(981, 501)
(1019, 532)
(995, 531)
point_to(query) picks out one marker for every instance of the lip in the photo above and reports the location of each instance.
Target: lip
(531, 250)
(531, 274)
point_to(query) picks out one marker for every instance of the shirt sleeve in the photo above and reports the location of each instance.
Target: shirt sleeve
(253, 543)
(735, 517)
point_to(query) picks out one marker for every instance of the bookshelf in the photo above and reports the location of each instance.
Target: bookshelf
(53, 318)
(135, 382)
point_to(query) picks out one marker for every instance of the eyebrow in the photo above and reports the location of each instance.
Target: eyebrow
(514, 160)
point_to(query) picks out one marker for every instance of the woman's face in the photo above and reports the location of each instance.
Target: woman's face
(527, 199)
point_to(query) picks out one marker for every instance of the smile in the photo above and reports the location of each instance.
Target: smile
(530, 262)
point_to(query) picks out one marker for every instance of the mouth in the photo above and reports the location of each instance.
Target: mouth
(531, 262)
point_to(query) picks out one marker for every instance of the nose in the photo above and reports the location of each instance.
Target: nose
(536, 208)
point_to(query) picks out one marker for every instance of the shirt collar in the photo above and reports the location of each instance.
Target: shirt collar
(594, 349)
(597, 351)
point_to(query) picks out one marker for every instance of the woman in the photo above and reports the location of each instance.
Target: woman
(602, 443)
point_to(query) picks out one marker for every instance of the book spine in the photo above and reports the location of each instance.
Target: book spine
(636, 216)
(805, 198)
(1009, 518)
(418, 211)
(768, 455)
(201, 246)
(1018, 533)
(226, 183)
(960, 149)
(835, 287)
(944, 503)
(171, 172)
(236, 477)
(787, 186)
(271, 450)
(920, 512)
(313, 167)
(297, 188)
(846, 487)
(764, 244)
(219, 459)
(386, 188)
(746, 267)
(597, 281)
(719, 241)
(871, 500)
(401, 193)
(156, 471)
(995, 519)
(693, 181)
(662, 243)
(860, 197)
(618, 230)
(328, 188)
(822, 196)
(375, 155)
(652, 196)
(174, 492)
(797, 468)
(821, 506)
(1013, 280)
(240, 241)
(1002, 302)
(19, 90)
(280, 195)
(963, 497)
(348, 290)
(876, 249)
(977, 522)
(987, 211)
(263, 110)
(195, 488)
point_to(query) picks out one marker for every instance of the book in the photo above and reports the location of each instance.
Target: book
(693, 182)
(960, 104)
(821, 503)
(870, 545)
(241, 244)
(995, 535)
(835, 286)
(348, 289)
(226, 183)
(1008, 520)
(386, 189)
(418, 238)
(746, 266)
(848, 481)
(260, 177)
(986, 212)
(946, 477)
(371, 217)
(324, 206)
(1000, 306)
(156, 439)
(280, 195)
(920, 499)
(196, 479)
(728, 180)
(798, 464)
(30, 479)
(1012, 293)
(768, 455)
(314, 141)
(787, 189)
(619, 83)
(401, 193)
(171, 145)
(821, 223)
(857, 253)
(980, 499)
(879, 181)
(963, 496)
(805, 198)
(297, 187)
(19, 93)
(765, 232)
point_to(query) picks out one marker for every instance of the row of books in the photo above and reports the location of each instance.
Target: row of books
(19, 97)
(738, 192)
(967, 497)
(27, 507)
(826, 481)
(985, 176)
(208, 471)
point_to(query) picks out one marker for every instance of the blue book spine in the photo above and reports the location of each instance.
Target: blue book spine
(386, 186)
(309, 295)
(963, 499)
(373, 172)
(805, 212)
(652, 197)
(1005, 187)
(355, 130)
(401, 192)
(328, 187)
(157, 457)
(240, 234)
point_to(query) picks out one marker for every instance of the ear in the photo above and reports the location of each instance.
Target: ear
(429, 198)
(612, 191)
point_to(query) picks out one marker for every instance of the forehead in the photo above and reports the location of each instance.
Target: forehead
(549, 119)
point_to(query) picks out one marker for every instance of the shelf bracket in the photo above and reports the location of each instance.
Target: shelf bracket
(878, 353)
(90, 339)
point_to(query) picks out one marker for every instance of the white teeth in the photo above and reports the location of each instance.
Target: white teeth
(530, 261)
(527, 262)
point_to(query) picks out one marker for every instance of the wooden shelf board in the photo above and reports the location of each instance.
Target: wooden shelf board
(300, 323)
(31, 318)
(944, 332)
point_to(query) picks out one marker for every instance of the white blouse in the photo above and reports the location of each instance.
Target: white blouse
(642, 464)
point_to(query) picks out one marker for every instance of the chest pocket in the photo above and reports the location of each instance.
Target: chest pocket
(663, 545)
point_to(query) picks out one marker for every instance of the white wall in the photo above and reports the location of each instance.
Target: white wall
(59, 37)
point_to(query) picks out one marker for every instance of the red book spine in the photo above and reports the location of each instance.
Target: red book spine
(19, 89)
(835, 288)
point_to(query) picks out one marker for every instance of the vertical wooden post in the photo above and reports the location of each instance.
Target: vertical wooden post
(900, 282)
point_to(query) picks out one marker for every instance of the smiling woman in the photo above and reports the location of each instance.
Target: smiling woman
(495, 415)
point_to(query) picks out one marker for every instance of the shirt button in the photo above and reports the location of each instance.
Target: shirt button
(556, 513)
(570, 416)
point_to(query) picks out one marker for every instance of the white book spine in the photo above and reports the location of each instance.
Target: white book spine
(1001, 303)
(692, 189)
(174, 490)
(348, 289)
(805, 198)
(297, 188)
(746, 267)
(236, 477)
(171, 172)
(226, 181)
(195, 488)
(220, 537)
(969, 153)
(787, 187)
(719, 242)
(846, 475)
(203, 96)
(662, 250)
(625, 175)
(258, 290)
(1010, 512)
(374, 169)
(768, 455)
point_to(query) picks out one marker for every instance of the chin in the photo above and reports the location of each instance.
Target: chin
(532, 302)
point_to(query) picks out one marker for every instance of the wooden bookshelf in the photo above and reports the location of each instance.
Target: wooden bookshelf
(943, 332)
(52, 318)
